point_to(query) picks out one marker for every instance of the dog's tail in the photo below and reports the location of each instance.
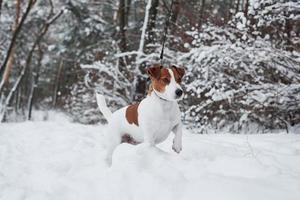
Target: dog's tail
(103, 107)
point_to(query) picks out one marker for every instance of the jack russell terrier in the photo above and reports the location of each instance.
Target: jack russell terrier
(151, 120)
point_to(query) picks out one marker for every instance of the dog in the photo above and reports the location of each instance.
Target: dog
(151, 120)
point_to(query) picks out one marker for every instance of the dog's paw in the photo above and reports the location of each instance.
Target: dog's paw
(177, 146)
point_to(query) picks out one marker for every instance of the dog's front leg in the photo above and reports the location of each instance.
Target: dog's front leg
(148, 135)
(177, 141)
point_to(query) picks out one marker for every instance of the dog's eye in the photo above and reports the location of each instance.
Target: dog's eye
(166, 80)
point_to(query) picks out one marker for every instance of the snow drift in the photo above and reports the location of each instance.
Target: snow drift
(62, 160)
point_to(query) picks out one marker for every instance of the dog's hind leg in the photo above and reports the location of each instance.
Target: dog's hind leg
(112, 140)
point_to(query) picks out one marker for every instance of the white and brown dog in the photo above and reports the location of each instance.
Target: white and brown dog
(151, 120)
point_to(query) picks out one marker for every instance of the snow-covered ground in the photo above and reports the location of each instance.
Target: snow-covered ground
(62, 160)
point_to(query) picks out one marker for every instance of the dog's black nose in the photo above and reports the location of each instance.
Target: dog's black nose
(178, 92)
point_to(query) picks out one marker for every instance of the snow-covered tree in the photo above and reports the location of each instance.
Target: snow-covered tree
(235, 80)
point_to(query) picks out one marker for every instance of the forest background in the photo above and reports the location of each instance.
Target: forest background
(242, 58)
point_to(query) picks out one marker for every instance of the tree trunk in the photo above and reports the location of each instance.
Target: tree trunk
(18, 100)
(128, 6)
(146, 19)
(122, 26)
(10, 95)
(0, 7)
(15, 34)
(28, 60)
(34, 84)
(229, 13)
(10, 61)
(237, 8)
(12, 44)
(175, 13)
(201, 13)
(152, 19)
(122, 38)
(246, 8)
(57, 83)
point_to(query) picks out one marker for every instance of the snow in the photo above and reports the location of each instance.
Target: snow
(57, 159)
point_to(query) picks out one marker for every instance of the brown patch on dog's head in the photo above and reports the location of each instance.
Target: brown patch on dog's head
(160, 78)
(132, 114)
(178, 73)
(154, 71)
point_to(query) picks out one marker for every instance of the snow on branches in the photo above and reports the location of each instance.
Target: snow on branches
(236, 83)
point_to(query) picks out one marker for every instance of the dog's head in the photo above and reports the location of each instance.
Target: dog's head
(166, 81)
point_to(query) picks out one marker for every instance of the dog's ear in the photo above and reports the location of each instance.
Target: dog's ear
(154, 71)
(180, 71)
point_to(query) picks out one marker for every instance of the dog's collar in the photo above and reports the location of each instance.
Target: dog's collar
(159, 96)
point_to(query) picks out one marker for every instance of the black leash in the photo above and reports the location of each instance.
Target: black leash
(167, 24)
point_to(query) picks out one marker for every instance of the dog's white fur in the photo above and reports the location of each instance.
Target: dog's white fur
(158, 115)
